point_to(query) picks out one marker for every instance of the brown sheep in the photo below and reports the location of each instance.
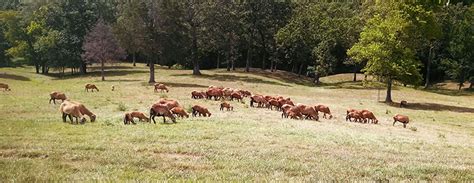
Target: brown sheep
(369, 117)
(170, 103)
(160, 87)
(135, 114)
(236, 95)
(5, 87)
(354, 115)
(245, 93)
(198, 95)
(403, 103)
(324, 109)
(227, 92)
(197, 109)
(214, 92)
(259, 99)
(274, 103)
(57, 96)
(161, 110)
(310, 113)
(226, 105)
(91, 87)
(402, 119)
(77, 110)
(180, 112)
(285, 109)
(294, 112)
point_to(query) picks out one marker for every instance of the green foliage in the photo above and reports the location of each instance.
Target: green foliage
(121, 106)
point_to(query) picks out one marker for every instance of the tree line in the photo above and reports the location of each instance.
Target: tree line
(411, 42)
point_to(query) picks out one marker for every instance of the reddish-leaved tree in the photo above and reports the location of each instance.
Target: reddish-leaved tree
(100, 46)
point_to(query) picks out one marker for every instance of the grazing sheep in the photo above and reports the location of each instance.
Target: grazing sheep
(57, 96)
(354, 115)
(245, 93)
(91, 87)
(236, 95)
(310, 113)
(369, 117)
(227, 92)
(161, 87)
(197, 109)
(402, 119)
(180, 112)
(403, 103)
(285, 109)
(217, 93)
(324, 109)
(198, 95)
(5, 87)
(170, 103)
(259, 99)
(274, 103)
(226, 105)
(161, 110)
(77, 110)
(135, 114)
(294, 113)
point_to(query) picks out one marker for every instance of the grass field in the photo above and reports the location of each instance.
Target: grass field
(247, 144)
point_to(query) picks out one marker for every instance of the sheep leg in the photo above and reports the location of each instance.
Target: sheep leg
(64, 117)
(394, 121)
(164, 119)
(70, 118)
(404, 125)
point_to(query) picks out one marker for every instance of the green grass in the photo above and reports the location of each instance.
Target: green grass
(244, 144)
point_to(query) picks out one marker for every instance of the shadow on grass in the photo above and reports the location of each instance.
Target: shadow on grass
(441, 91)
(58, 76)
(282, 76)
(434, 107)
(233, 78)
(353, 85)
(184, 85)
(14, 77)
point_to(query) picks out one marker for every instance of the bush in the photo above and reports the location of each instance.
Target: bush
(413, 129)
(178, 67)
(121, 107)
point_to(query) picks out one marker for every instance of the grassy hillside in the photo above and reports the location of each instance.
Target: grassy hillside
(246, 144)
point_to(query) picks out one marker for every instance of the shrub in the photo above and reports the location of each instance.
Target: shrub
(121, 107)
(413, 129)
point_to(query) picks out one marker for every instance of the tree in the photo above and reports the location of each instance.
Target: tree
(460, 63)
(385, 44)
(193, 19)
(129, 28)
(101, 46)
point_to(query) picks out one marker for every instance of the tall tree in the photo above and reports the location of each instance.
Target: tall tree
(385, 44)
(101, 46)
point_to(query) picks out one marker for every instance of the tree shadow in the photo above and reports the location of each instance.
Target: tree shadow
(441, 91)
(353, 85)
(233, 78)
(59, 76)
(14, 77)
(282, 76)
(184, 85)
(434, 107)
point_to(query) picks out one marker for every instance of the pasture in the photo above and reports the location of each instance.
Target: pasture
(252, 144)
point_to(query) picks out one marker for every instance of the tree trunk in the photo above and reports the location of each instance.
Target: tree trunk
(43, 69)
(263, 61)
(194, 51)
(37, 68)
(233, 64)
(218, 60)
(83, 68)
(102, 72)
(228, 61)
(388, 98)
(271, 66)
(355, 75)
(300, 70)
(133, 58)
(461, 84)
(151, 64)
(316, 78)
(247, 63)
(470, 86)
(428, 67)
(275, 66)
(293, 69)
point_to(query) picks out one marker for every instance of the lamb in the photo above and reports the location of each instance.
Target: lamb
(135, 114)
(161, 87)
(226, 105)
(402, 119)
(197, 109)
(5, 87)
(324, 109)
(369, 117)
(180, 112)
